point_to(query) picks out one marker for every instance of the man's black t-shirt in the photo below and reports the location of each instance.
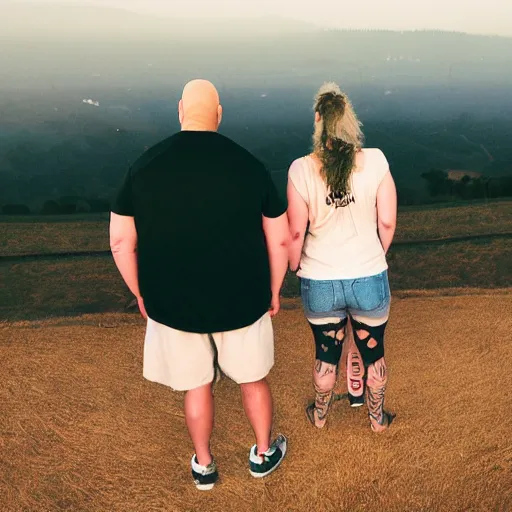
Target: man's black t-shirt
(198, 200)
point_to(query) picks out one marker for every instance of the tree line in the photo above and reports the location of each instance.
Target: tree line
(61, 206)
(440, 186)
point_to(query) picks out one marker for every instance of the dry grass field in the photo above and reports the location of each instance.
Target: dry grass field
(38, 289)
(47, 236)
(419, 223)
(82, 431)
(91, 284)
(35, 235)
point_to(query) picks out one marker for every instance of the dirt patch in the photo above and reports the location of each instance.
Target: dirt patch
(82, 431)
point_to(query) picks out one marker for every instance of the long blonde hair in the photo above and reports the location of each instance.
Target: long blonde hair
(337, 137)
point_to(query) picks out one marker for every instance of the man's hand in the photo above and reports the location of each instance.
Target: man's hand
(142, 309)
(277, 236)
(275, 306)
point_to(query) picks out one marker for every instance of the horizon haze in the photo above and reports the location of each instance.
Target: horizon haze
(85, 87)
(490, 18)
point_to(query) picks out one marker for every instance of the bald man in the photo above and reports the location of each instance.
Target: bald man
(200, 234)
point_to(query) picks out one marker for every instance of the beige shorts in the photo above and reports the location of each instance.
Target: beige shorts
(185, 361)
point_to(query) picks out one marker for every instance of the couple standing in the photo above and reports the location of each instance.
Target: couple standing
(203, 240)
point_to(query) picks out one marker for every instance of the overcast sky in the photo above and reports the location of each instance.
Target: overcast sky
(476, 16)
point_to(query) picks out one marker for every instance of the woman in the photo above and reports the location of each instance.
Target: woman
(348, 197)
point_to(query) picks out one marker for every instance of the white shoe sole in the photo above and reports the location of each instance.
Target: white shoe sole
(284, 449)
(207, 487)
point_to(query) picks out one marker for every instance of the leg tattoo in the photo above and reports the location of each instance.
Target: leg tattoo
(370, 342)
(328, 345)
(377, 381)
(325, 380)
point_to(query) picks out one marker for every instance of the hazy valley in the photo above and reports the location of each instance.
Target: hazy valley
(85, 89)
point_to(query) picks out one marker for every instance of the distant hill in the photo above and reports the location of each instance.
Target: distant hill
(110, 19)
(67, 44)
(24, 20)
(430, 100)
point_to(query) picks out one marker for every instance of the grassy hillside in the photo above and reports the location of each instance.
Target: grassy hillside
(43, 234)
(88, 284)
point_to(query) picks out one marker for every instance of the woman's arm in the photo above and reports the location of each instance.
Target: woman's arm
(386, 211)
(298, 216)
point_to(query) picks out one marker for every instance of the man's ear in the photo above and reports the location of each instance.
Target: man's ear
(180, 111)
(219, 115)
(317, 117)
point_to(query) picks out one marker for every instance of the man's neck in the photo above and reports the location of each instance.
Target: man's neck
(191, 127)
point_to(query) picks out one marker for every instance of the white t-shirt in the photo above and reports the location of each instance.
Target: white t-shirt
(342, 241)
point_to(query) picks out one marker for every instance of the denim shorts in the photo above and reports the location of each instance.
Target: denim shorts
(368, 297)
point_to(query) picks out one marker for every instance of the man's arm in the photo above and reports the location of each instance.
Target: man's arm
(277, 236)
(298, 218)
(386, 211)
(123, 244)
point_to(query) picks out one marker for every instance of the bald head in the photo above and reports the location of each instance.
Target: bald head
(199, 107)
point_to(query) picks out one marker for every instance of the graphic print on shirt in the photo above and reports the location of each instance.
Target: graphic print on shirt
(339, 199)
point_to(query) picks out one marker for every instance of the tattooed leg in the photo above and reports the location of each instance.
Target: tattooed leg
(329, 339)
(370, 342)
(324, 380)
(377, 382)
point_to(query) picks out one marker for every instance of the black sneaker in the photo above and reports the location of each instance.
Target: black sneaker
(262, 465)
(356, 401)
(204, 476)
